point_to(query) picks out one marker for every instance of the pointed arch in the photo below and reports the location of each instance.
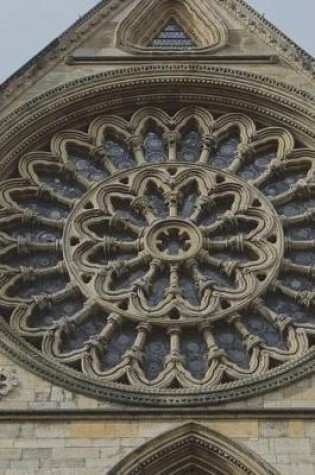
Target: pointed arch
(137, 32)
(192, 449)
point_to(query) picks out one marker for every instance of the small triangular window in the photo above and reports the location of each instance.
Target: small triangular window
(172, 36)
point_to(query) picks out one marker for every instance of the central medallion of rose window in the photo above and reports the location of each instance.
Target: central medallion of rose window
(182, 242)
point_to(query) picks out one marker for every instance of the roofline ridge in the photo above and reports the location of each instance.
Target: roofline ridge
(271, 25)
(301, 60)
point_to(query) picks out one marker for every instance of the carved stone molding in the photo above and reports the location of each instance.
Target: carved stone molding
(259, 25)
(192, 448)
(8, 381)
(137, 31)
(71, 103)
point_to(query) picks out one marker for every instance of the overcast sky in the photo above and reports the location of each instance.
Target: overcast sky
(26, 26)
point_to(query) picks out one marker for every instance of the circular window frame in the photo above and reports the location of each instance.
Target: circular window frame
(27, 127)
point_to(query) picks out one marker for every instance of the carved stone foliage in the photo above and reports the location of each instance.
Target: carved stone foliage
(192, 449)
(203, 31)
(163, 253)
(8, 381)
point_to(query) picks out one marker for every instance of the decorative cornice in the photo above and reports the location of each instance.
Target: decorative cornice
(61, 47)
(150, 413)
(257, 23)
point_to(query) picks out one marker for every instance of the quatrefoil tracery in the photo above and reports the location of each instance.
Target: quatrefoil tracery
(150, 252)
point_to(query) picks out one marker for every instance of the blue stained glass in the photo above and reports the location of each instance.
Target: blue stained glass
(173, 36)
(154, 148)
(194, 350)
(256, 166)
(228, 340)
(88, 167)
(260, 327)
(155, 351)
(42, 285)
(191, 147)
(225, 152)
(61, 184)
(281, 305)
(119, 343)
(119, 154)
(49, 314)
(46, 208)
(79, 334)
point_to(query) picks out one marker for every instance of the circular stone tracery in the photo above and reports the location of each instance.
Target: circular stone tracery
(130, 231)
(171, 281)
(173, 240)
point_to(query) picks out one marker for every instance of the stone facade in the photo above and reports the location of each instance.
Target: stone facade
(52, 423)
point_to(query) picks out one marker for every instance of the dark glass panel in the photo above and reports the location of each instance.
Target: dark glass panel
(260, 327)
(60, 183)
(88, 167)
(119, 343)
(227, 339)
(194, 350)
(154, 148)
(256, 165)
(225, 152)
(155, 351)
(35, 259)
(281, 184)
(283, 305)
(191, 146)
(51, 313)
(119, 154)
(48, 209)
(173, 36)
(295, 207)
(78, 335)
(34, 232)
(41, 285)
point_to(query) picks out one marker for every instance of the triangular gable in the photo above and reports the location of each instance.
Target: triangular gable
(60, 49)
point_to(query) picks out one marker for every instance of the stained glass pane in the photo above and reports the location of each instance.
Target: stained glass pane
(173, 36)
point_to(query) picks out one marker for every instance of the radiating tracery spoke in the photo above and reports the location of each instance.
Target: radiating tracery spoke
(163, 252)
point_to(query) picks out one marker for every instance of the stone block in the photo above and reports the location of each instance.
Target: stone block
(72, 453)
(25, 465)
(52, 430)
(63, 463)
(36, 453)
(237, 428)
(10, 454)
(273, 428)
(297, 428)
(294, 447)
(107, 429)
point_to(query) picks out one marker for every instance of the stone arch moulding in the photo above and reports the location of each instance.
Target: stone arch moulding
(201, 24)
(192, 448)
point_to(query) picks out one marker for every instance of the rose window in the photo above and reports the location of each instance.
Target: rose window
(170, 253)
